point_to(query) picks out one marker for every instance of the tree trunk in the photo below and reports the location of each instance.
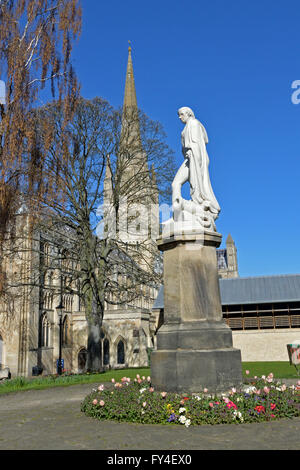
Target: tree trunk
(94, 360)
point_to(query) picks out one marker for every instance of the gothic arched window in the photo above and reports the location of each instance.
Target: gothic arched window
(66, 337)
(121, 352)
(106, 352)
(47, 253)
(45, 331)
(82, 358)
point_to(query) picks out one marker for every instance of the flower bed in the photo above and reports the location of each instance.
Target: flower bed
(263, 399)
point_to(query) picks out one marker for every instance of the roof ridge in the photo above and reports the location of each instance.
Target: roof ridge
(260, 277)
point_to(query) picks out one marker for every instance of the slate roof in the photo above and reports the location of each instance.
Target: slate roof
(250, 290)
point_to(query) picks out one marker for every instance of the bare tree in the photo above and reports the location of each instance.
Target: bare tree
(36, 38)
(109, 160)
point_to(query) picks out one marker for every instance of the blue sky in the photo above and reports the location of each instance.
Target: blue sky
(233, 62)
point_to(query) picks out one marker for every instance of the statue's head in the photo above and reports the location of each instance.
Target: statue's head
(185, 113)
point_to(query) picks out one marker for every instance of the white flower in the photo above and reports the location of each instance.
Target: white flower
(238, 414)
(197, 397)
(182, 419)
(142, 390)
(182, 410)
(187, 423)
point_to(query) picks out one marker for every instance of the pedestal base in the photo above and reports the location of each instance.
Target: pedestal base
(186, 371)
(194, 345)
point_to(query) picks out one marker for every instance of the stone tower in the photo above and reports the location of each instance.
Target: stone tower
(227, 260)
(129, 326)
(231, 257)
(134, 181)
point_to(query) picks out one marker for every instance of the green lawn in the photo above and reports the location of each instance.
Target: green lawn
(39, 383)
(281, 370)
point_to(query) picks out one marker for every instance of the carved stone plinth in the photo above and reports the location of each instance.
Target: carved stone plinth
(194, 345)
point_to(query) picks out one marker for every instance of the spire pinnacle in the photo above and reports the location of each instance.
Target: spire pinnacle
(130, 100)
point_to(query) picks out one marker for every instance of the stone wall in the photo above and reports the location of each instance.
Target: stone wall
(265, 345)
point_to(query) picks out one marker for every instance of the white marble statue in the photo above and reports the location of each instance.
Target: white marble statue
(203, 208)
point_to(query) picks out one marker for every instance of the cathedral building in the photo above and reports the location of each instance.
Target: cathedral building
(42, 273)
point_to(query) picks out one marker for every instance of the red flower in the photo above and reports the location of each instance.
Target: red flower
(273, 406)
(185, 398)
(260, 409)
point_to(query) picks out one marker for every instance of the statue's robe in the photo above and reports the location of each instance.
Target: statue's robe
(194, 138)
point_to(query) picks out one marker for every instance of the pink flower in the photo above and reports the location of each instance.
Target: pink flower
(247, 372)
(182, 402)
(226, 399)
(144, 404)
(101, 402)
(211, 404)
(113, 381)
(151, 389)
(95, 402)
(298, 383)
(139, 381)
(266, 390)
(101, 388)
(143, 378)
(148, 378)
(137, 376)
(283, 387)
(230, 404)
(163, 394)
(273, 406)
(205, 390)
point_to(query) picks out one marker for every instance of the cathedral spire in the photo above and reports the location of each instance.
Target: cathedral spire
(130, 100)
(108, 185)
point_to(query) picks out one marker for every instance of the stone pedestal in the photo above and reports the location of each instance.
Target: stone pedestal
(194, 345)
